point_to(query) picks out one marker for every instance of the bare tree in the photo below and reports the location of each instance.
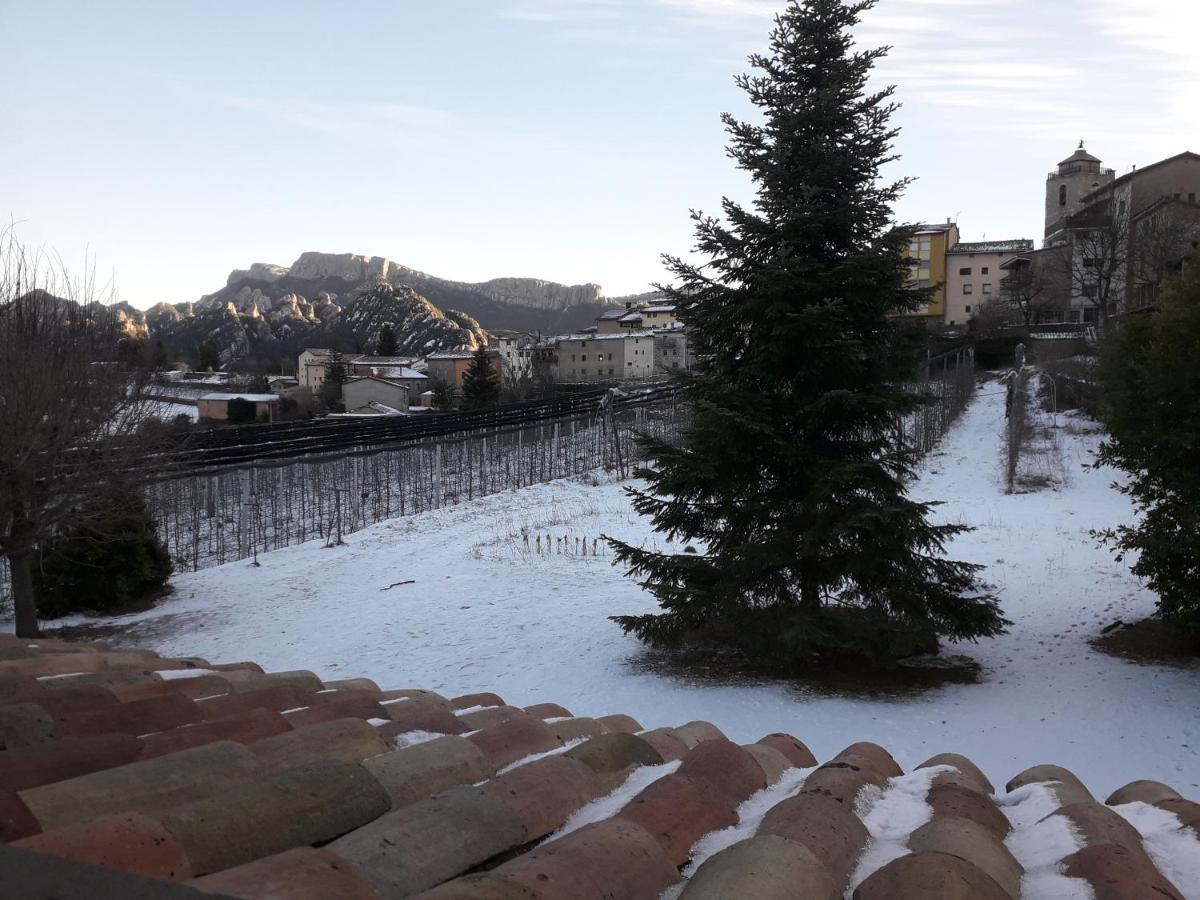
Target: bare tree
(1115, 259)
(1028, 288)
(71, 413)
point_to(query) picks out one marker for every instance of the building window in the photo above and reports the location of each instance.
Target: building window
(583, 357)
(968, 309)
(984, 270)
(967, 288)
(966, 271)
(1191, 198)
(987, 288)
(1062, 195)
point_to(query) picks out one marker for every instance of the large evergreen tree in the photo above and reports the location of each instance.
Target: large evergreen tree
(481, 381)
(789, 477)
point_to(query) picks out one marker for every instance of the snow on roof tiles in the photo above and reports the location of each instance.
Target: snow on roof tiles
(243, 783)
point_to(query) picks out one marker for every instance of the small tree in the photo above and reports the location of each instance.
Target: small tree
(241, 411)
(481, 381)
(445, 394)
(110, 563)
(335, 378)
(790, 476)
(210, 357)
(1152, 411)
(158, 356)
(71, 441)
(387, 342)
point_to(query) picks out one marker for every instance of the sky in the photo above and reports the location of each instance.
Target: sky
(167, 142)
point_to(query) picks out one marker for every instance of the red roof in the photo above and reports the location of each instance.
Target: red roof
(124, 774)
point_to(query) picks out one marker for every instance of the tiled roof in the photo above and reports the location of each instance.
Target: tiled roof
(184, 778)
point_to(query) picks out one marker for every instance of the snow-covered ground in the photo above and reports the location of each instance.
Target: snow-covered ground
(486, 611)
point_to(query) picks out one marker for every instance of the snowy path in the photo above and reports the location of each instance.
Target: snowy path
(484, 614)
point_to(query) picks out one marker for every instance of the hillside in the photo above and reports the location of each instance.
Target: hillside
(268, 312)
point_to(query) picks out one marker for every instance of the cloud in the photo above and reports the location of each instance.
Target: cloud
(353, 119)
(563, 11)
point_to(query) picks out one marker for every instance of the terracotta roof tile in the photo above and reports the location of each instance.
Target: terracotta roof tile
(143, 786)
(300, 874)
(130, 842)
(28, 767)
(348, 740)
(311, 803)
(233, 774)
(765, 867)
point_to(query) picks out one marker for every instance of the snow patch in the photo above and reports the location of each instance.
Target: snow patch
(1040, 842)
(412, 738)
(750, 815)
(1174, 849)
(378, 722)
(171, 674)
(891, 815)
(609, 805)
(532, 757)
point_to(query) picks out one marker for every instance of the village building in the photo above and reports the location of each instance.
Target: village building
(367, 393)
(973, 275)
(606, 357)
(450, 367)
(927, 251)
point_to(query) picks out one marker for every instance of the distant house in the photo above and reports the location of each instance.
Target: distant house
(312, 367)
(393, 369)
(450, 367)
(636, 318)
(605, 357)
(215, 407)
(514, 347)
(358, 394)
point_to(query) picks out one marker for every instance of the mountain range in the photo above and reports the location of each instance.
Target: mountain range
(267, 312)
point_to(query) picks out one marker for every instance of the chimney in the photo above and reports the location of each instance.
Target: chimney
(629, 304)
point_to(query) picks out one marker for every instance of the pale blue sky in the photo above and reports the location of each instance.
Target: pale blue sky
(562, 139)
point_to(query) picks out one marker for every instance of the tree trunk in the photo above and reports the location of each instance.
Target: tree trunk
(20, 567)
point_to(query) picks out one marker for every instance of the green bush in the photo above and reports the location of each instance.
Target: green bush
(115, 563)
(242, 411)
(1151, 408)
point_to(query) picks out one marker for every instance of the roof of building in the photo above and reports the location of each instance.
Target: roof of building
(1080, 155)
(380, 378)
(1117, 182)
(618, 336)
(933, 228)
(609, 314)
(242, 783)
(253, 398)
(1016, 245)
(454, 354)
(386, 371)
(381, 360)
(662, 308)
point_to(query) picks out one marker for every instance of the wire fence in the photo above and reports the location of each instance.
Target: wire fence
(1016, 413)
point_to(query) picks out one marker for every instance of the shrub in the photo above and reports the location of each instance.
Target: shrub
(242, 411)
(115, 562)
(797, 642)
(1151, 407)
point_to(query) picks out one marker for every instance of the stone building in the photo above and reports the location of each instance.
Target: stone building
(1077, 176)
(606, 357)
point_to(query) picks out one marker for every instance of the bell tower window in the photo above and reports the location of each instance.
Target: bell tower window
(1062, 195)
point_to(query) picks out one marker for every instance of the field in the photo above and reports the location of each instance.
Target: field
(499, 594)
